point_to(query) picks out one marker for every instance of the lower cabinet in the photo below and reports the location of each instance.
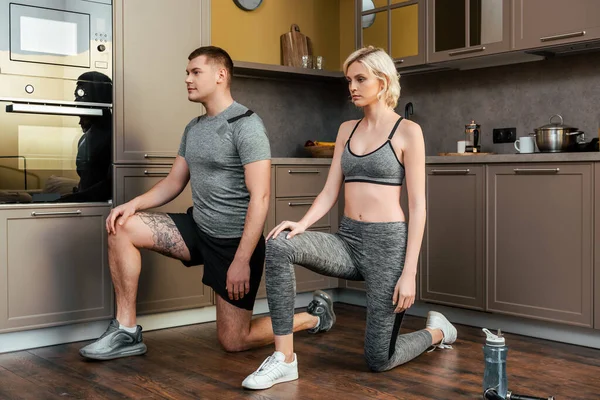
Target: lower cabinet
(540, 241)
(165, 283)
(453, 262)
(597, 246)
(53, 266)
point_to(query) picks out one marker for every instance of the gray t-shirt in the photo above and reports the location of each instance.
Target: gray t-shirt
(216, 152)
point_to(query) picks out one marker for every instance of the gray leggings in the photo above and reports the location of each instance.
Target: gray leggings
(369, 251)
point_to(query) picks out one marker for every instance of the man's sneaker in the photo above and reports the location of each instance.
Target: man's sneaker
(321, 306)
(115, 343)
(272, 371)
(436, 320)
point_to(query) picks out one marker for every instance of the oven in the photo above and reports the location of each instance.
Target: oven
(56, 96)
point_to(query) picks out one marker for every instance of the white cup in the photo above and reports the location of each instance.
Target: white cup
(525, 144)
(460, 146)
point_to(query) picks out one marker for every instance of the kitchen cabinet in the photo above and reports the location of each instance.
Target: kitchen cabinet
(540, 222)
(397, 27)
(294, 188)
(152, 42)
(597, 246)
(53, 266)
(460, 29)
(453, 262)
(165, 283)
(542, 23)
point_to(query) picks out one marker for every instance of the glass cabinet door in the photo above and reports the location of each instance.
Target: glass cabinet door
(375, 30)
(397, 26)
(467, 28)
(405, 35)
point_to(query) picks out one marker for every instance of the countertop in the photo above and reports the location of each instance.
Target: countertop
(485, 159)
(516, 158)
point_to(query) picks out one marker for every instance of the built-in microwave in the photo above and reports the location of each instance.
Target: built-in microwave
(55, 38)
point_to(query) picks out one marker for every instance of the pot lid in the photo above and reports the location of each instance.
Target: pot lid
(557, 125)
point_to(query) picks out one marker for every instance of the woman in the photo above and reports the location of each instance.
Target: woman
(373, 157)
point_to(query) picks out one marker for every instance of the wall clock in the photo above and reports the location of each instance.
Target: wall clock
(248, 5)
(368, 20)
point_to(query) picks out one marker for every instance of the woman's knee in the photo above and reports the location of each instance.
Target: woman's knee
(377, 363)
(279, 248)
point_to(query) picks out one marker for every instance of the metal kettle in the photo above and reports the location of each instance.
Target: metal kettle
(472, 132)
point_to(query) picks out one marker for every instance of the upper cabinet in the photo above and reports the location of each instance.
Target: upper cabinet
(541, 23)
(153, 41)
(396, 26)
(467, 28)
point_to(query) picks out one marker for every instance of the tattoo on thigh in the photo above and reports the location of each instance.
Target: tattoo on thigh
(166, 236)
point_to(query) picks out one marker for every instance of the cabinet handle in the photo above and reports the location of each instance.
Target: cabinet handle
(299, 204)
(302, 171)
(537, 170)
(148, 173)
(450, 171)
(45, 214)
(466, 51)
(563, 36)
(158, 156)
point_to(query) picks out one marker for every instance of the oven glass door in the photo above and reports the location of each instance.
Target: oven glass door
(54, 150)
(47, 36)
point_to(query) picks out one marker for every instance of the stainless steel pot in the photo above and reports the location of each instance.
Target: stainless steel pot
(556, 137)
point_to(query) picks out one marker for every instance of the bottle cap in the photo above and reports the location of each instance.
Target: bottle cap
(493, 339)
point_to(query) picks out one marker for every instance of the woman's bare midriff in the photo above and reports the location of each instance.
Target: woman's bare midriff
(371, 202)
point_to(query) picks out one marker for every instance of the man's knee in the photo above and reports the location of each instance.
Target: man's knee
(123, 233)
(232, 343)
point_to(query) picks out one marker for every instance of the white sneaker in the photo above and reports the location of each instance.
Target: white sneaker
(436, 320)
(272, 371)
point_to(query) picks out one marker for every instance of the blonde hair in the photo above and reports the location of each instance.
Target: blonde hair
(381, 65)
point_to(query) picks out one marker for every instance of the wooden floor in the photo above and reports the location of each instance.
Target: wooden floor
(187, 363)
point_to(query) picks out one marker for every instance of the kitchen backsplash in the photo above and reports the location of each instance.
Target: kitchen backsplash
(524, 96)
(295, 111)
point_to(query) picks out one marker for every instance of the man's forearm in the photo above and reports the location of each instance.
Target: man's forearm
(253, 227)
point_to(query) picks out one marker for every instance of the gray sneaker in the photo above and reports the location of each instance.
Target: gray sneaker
(321, 306)
(115, 343)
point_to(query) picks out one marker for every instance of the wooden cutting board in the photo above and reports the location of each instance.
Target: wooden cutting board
(465, 154)
(294, 45)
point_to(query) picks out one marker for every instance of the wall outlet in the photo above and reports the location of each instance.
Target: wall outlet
(505, 135)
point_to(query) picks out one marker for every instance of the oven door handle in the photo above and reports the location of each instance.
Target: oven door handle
(54, 110)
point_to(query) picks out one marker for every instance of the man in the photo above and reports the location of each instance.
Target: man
(225, 155)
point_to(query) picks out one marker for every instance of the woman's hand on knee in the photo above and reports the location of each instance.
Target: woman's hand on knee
(404, 293)
(295, 228)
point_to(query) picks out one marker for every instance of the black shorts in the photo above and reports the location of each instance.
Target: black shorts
(217, 255)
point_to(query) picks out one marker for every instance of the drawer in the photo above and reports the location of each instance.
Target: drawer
(300, 181)
(293, 209)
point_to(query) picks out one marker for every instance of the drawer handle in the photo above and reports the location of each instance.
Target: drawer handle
(148, 173)
(299, 204)
(45, 214)
(159, 156)
(466, 51)
(302, 171)
(563, 36)
(450, 171)
(537, 170)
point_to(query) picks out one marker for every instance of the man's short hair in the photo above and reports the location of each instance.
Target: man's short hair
(215, 55)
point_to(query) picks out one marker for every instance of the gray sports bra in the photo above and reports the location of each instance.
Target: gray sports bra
(381, 166)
